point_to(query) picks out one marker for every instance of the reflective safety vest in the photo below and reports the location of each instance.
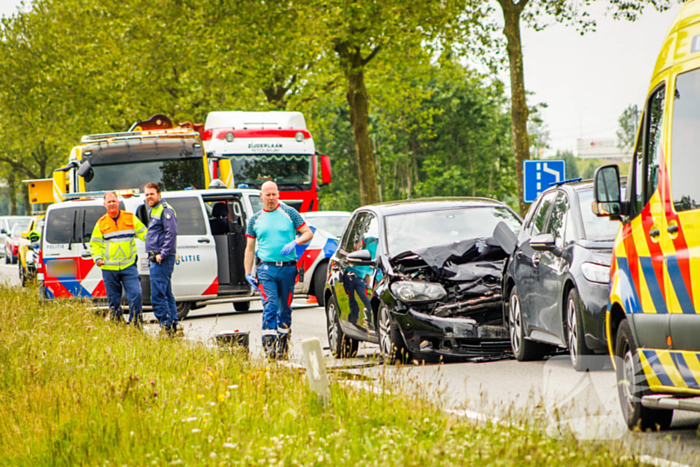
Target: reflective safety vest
(113, 240)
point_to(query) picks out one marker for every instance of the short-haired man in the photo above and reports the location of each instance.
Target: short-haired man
(113, 249)
(161, 245)
(274, 229)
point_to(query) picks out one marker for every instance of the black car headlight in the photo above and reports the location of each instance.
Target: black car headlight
(408, 291)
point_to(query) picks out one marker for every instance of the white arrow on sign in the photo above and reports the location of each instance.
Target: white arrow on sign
(551, 172)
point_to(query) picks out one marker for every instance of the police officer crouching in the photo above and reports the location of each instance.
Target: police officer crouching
(161, 244)
(113, 250)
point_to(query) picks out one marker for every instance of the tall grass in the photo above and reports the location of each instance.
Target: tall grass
(77, 390)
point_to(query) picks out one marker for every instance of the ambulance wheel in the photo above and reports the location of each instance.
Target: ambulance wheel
(320, 282)
(241, 306)
(631, 385)
(183, 308)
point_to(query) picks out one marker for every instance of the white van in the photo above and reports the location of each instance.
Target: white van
(210, 244)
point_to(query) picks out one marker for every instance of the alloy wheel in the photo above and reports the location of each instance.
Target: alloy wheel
(332, 326)
(573, 331)
(384, 331)
(629, 375)
(515, 322)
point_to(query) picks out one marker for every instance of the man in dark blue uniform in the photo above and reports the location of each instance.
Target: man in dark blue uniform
(161, 244)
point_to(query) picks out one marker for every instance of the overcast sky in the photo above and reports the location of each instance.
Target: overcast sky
(586, 81)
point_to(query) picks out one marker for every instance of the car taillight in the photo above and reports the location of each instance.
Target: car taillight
(207, 134)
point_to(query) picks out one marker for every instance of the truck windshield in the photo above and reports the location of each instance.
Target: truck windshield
(172, 175)
(289, 171)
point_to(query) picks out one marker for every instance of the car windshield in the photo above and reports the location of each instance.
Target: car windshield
(596, 229)
(289, 171)
(19, 227)
(171, 175)
(417, 230)
(332, 224)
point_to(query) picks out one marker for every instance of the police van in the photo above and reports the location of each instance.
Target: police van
(653, 318)
(210, 245)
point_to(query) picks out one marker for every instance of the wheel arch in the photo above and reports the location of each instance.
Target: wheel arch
(509, 283)
(615, 316)
(312, 285)
(569, 285)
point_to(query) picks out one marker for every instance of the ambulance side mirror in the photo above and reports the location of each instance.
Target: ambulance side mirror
(86, 171)
(606, 190)
(325, 169)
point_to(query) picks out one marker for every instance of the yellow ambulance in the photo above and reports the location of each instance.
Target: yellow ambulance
(653, 318)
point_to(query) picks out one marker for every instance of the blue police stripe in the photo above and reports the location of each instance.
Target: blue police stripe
(685, 372)
(653, 284)
(657, 367)
(48, 293)
(74, 287)
(674, 272)
(628, 290)
(329, 248)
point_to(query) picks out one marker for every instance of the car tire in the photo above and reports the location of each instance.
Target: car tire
(183, 308)
(241, 306)
(14, 259)
(340, 344)
(7, 258)
(582, 358)
(631, 385)
(524, 350)
(320, 282)
(22, 277)
(391, 342)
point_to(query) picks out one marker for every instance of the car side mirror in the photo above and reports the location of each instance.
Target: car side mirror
(360, 258)
(606, 190)
(325, 169)
(545, 242)
(86, 171)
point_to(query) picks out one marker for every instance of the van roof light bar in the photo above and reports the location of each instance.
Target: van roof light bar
(564, 182)
(133, 135)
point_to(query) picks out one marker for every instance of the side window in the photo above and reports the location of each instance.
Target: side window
(654, 131)
(370, 235)
(569, 229)
(555, 223)
(68, 225)
(537, 223)
(347, 243)
(190, 219)
(685, 141)
(637, 188)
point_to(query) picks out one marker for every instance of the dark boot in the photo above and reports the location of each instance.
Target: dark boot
(282, 346)
(269, 344)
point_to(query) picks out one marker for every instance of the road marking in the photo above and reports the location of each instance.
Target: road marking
(364, 385)
(471, 415)
(655, 461)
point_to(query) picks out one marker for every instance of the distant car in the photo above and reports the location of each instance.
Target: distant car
(332, 222)
(6, 223)
(13, 238)
(556, 280)
(421, 278)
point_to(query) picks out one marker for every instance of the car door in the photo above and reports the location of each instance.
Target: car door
(90, 275)
(550, 272)
(527, 259)
(680, 239)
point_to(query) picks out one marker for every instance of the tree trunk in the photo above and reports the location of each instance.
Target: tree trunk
(353, 66)
(518, 108)
(12, 193)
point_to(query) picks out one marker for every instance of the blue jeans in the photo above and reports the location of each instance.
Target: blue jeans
(276, 285)
(162, 298)
(353, 284)
(129, 279)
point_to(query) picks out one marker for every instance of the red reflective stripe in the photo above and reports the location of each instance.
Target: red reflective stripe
(262, 291)
(289, 302)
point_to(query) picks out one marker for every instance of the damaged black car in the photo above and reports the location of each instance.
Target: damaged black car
(422, 279)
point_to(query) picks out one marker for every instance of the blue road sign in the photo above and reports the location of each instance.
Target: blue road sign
(539, 174)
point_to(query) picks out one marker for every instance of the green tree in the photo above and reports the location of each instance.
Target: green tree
(627, 132)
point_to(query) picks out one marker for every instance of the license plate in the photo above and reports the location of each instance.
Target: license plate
(61, 268)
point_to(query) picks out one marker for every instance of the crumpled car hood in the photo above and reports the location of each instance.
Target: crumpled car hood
(467, 260)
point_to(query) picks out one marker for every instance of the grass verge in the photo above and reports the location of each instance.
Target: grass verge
(77, 390)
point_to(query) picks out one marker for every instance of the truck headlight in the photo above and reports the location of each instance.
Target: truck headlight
(596, 272)
(408, 291)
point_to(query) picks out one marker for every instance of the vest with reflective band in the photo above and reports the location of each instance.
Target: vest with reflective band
(113, 240)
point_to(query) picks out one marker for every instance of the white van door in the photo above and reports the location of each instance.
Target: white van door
(195, 272)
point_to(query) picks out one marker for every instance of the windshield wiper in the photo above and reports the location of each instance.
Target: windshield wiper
(72, 233)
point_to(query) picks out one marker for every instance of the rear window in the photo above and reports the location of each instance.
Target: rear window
(190, 220)
(70, 224)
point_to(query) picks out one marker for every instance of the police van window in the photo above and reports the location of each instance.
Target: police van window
(637, 175)
(256, 203)
(653, 138)
(555, 223)
(537, 223)
(66, 225)
(190, 219)
(685, 141)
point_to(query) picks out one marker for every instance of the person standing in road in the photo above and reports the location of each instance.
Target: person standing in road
(274, 229)
(113, 250)
(161, 244)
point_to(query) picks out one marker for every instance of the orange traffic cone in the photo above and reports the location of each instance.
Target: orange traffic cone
(312, 299)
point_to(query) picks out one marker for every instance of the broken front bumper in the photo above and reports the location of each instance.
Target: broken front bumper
(459, 337)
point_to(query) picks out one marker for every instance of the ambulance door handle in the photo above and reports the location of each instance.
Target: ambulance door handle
(673, 229)
(86, 254)
(204, 240)
(654, 233)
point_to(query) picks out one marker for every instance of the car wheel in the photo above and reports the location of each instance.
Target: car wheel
(7, 258)
(14, 259)
(341, 345)
(183, 308)
(391, 343)
(581, 356)
(631, 385)
(22, 276)
(241, 306)
(320, 282)
(523, 350)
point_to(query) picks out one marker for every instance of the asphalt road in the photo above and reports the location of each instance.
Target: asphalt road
(550, 391)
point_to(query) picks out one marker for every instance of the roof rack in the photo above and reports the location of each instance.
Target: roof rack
(98, 194)
(131, 135)
(563, 182)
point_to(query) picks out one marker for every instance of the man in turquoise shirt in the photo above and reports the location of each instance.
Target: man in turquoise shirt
(274, 229)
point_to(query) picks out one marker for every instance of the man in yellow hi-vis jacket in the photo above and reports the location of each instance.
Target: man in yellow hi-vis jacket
(114, 251)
